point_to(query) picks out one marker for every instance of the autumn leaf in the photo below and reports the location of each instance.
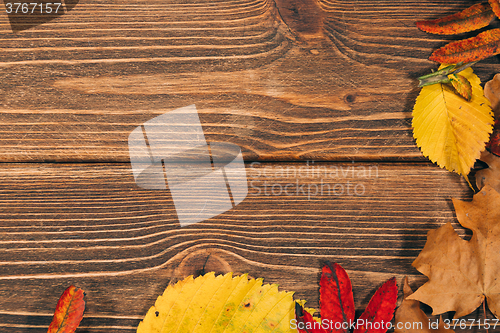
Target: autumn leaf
(492, 93)
(336, 299)
(494, 144)
(463, 273)
(306, 320)
(410, 318)
(475, 17)
(380, 309)
(484, 45)
(449, 130)
(337, 306)
(491, 175)
(69, 311)
(495, 6)
(220, 304)
(462, 85)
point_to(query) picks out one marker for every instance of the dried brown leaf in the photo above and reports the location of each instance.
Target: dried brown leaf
(463, 273)
(412, 319)
(491, 175)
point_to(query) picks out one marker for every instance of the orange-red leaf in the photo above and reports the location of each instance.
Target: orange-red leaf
(461, 85)
(476, 48)
(380, 310)
(494, 144)
(475, 17)
(69, 311)
(495, 6)
(336, 299)
(306, 322)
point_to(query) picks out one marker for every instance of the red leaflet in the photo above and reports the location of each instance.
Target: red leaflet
(495, 5)
(472, 18)
(336, 299)
(69, 311)
(337, 306)
(306, 321)
(380, 309)
(476, 48)
(494, 144)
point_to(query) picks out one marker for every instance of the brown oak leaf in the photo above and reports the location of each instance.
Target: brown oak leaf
(492, 93)
(411, 319)
(463, 273)
(491, 175)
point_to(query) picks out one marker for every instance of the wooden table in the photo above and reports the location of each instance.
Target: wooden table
(298, 85)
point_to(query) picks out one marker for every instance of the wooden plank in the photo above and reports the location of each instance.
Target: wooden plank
(91, 225)
(333, 85)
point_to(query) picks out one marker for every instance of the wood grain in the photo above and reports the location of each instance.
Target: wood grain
(288, 81)
(90, 225)
(328, 80)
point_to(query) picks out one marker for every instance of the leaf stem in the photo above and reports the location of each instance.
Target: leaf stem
(441, 76)
(484, 313)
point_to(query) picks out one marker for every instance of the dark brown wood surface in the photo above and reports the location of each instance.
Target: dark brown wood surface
(90, 225)
(290, 82)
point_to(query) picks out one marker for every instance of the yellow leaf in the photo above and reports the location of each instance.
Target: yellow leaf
(449, 130)
(219, 304)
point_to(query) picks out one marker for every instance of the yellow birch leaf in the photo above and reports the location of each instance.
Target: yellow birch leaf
(449, 130)
(220, 304)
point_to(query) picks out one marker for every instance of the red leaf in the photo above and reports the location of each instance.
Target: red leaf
(380, 310)
(306, 321)
(476, 48)
(336, 299)
(494, 144)
(495, 5)
(475, 17)
(69, 311)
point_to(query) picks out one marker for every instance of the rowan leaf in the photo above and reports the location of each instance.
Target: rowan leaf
(220, 304)
(449, 130)
(69, 311)
(484, 45)
(494, 144)
(337, 306)
(380, 309)
(461, 85)
(410, 318)
(336, 298)
(475, 17)
(495, 6)
(463, 273)
(307, 321)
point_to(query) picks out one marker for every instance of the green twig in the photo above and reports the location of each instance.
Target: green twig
(441, 76)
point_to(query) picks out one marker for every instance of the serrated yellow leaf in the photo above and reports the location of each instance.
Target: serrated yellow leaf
(449, 130)
(220, 304)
